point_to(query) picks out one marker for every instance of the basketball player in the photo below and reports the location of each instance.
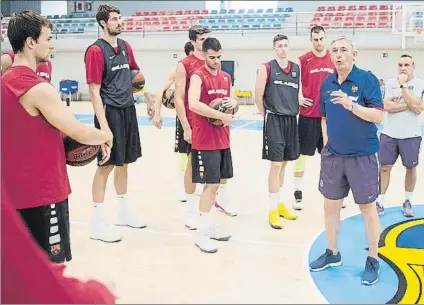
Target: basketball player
(33, 154)
(351, 105)
(277, 98)
(197, 34)
(211, 154)
(44, 69)
(315, 66)
(21, 259)
(401, 134)
(180, 144)
(108, 63)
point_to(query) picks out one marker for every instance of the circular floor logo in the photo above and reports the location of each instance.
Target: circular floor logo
(401, 256)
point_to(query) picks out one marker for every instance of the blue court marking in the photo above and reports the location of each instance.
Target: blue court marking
(342, 285)
(170, 122)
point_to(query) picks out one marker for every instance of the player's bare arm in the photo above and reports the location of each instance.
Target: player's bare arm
(303, 102)
(44, 99)
(260, 89)
(201, 108)
(180, 87)
(96, 100)
(324, 130)
(6, 62)
(169, 80)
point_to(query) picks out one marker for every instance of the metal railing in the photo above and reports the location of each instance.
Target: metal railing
(290, 23)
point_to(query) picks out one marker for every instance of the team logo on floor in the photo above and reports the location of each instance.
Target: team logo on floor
(401, 256)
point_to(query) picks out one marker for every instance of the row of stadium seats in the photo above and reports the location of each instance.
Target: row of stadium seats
(371, 7)
(361, 16)
(215, 12)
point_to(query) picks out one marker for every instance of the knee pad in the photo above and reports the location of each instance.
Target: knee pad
(182, 164)
(299, 164)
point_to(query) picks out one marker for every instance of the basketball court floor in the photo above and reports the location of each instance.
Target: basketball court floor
(160, 264)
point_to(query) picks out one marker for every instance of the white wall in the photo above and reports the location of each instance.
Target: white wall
(156, 64)
(154, 54)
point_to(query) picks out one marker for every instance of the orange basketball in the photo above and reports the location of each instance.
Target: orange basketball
(138, 80)
(218, 104)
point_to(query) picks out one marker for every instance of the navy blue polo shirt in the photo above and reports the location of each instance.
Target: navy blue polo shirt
(348, 134)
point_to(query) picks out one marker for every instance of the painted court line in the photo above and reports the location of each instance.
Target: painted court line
(186, 234)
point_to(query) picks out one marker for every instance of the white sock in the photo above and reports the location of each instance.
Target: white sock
(192, 204)
(408, 195)
(297, 183)
(273, 199)
(280, 195)
(98, 211)
(380, 199)
(222, 196)
(205, 221)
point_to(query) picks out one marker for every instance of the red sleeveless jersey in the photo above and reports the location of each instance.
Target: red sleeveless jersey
(44, 69)
(191, 63)
(314, 70)
(33, 154)
(207, 136)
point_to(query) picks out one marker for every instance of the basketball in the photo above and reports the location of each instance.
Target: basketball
(138, 80)
(78, 154)
(218, 104)
(168, 98)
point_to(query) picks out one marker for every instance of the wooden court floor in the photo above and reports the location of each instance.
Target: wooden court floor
(160, 264)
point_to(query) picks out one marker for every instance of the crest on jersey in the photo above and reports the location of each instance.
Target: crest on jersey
(294, 74)
(354, 89)
(225, 79)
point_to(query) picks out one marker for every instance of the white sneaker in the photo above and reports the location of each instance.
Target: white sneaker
(126, 218)
(191, 221)
(215, 232)
(298, 205)
(344, 204)
(102, 231)
(205, 244)
(182, 196)
(227, 209)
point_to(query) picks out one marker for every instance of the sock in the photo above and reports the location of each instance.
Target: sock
(98, 211)
(297, 182)
(222, 196)
(380, 199)
(205, 220)
(280, 195)
(192, 204)
(273, 199)
(408, 195)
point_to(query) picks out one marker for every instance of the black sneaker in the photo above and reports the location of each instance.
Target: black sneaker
(371, 272)
(297, 204)
(328, 259)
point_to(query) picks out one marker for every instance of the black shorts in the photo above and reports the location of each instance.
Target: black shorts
(210, 166)
(181, 145)
(280, 138)
(310, 135)
(126, 138)
(49, 225)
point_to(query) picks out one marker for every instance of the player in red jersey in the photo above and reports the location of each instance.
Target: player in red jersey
(180, 146)
(33, 120)
(315, 66)
(44, 69)
(211, 154)
(108, 64)
(21, 259)
(197, 34)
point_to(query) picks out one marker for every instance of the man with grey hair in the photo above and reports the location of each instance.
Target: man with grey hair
(351, 106)
(401, 134)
